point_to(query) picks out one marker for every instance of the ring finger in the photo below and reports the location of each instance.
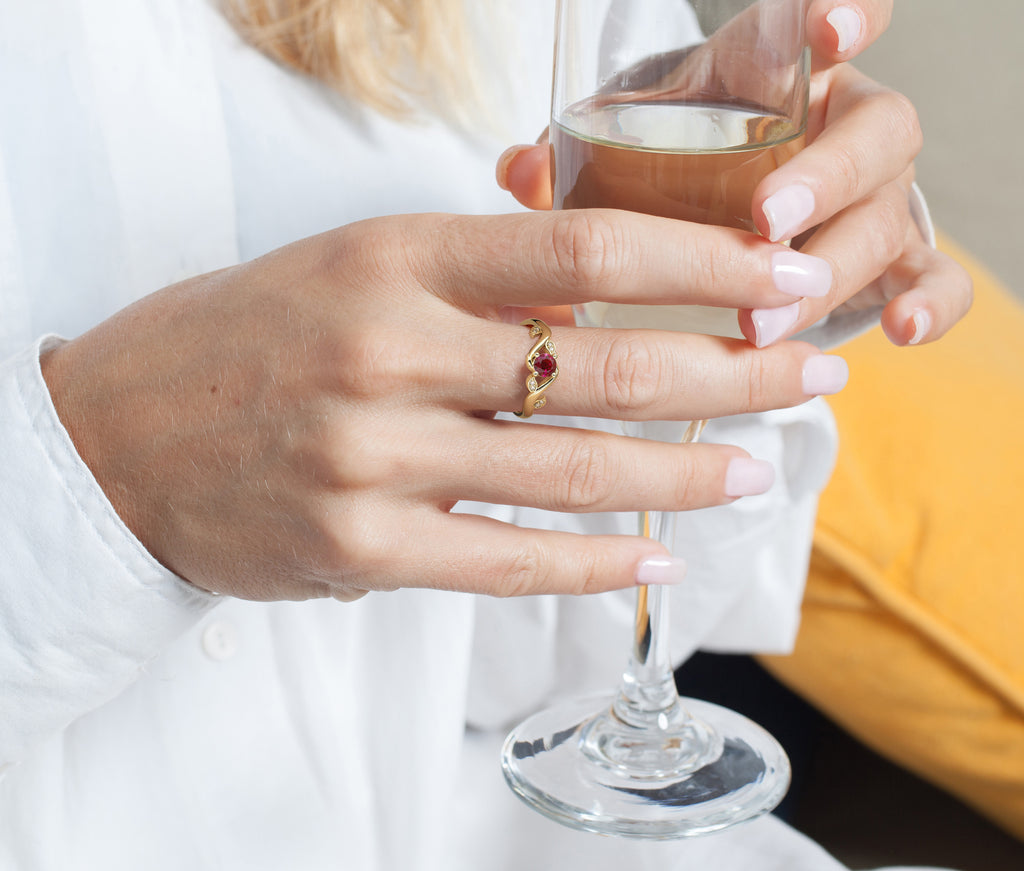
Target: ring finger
(638, 374)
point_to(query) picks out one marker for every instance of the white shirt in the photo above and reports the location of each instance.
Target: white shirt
(145, 724)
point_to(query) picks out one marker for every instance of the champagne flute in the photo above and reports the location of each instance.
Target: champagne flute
(676, 108)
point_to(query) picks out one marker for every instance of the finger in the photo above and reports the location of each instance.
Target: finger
(929, 293)
(525, 171)
(859, 244)
(569, 257)
(839, 30)
(872, 139)
(634, 374)
(473, 554)
(573, 470)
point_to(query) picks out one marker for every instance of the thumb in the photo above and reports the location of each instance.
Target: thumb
(525, 171)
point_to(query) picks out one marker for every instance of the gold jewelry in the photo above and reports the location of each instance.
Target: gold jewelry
(541, 360)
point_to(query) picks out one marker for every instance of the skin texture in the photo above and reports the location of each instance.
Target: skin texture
(302, 425)
(294, 426)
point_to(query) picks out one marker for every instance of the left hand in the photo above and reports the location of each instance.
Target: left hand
(844, 198)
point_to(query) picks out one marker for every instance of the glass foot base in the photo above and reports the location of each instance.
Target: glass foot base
(582, 766)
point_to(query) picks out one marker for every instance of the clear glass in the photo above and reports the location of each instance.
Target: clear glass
(678, 109)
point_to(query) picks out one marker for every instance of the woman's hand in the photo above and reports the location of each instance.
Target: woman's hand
(844, 198)
(302, 425)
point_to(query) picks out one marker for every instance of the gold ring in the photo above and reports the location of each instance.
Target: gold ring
(542, 363)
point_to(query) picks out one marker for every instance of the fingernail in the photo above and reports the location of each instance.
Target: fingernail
(661, 571)
(825, 374)
(801, 274)
(501, 168)
(748, 477)
(770, 324)
(786, 210)
(922, 326)
(847, 24)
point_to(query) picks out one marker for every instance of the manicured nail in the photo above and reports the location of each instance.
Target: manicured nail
(770, 324)
(786, 210)
(661, 571)
(825, 374)
(747, 477)
(847, 24)
(922, 326)
(801, 274)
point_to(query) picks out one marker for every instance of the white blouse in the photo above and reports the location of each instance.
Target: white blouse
(145, 724)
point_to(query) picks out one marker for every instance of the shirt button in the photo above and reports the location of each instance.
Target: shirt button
(220, 641)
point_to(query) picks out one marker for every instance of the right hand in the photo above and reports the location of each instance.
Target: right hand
(857, 171)
(302, 425)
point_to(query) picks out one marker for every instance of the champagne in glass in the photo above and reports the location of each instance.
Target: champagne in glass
(675, 108)
(630, 156)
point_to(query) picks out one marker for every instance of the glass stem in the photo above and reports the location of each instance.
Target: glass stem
(647, 696)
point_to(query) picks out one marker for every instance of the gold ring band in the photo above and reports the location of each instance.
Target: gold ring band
(542, 363)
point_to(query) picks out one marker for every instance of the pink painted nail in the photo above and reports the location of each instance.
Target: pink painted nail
(661, 571)
(786, 210)
(747, 477)
(801, 274)
(825, 374)
(922, 326)
(770, 324)
(847, 24)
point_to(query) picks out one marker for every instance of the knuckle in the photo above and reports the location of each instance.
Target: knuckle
(634, 376)
(904, 121)
(585, 483)
(525, 573)
(587, 247)
(364, 249)
(344, 453)
(761, 379)
(691, 487)
(591, 574)
(531, 572)
(353, 544)
(718, 261)
(363, 366)
(890, 226)
(846, 170)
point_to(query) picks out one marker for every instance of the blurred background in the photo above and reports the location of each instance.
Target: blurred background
(962, 64)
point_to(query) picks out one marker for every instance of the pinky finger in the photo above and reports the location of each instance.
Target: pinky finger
(499, 559)
(928, 292)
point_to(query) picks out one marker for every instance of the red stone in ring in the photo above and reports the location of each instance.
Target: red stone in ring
(544, 365)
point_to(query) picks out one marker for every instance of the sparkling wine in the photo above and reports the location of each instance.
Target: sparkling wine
(629, 156)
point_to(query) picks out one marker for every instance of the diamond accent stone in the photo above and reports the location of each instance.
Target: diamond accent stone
(540, 403)
(531, 385)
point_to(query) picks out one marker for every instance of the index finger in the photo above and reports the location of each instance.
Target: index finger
(577, 256)
(872, 137)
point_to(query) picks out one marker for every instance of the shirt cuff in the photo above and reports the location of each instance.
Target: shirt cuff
(83, 605)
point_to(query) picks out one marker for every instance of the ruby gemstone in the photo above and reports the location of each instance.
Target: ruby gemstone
(544, 365)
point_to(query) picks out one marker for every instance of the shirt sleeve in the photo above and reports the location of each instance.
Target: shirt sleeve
(83, 605)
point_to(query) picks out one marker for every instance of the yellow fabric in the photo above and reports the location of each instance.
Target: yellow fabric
(913, 623)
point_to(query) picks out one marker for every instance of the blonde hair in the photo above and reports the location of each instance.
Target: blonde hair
(394, 56)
